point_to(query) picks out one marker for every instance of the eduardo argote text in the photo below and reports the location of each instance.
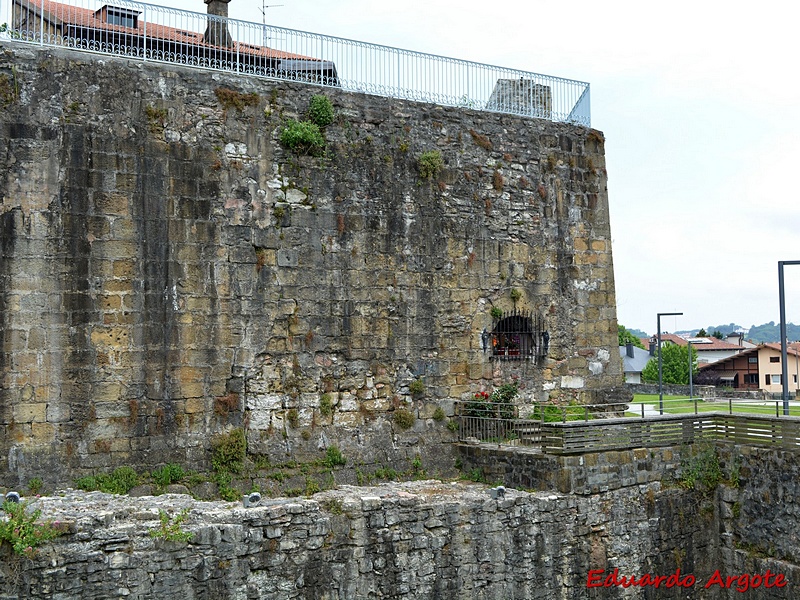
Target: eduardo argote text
(741, 583)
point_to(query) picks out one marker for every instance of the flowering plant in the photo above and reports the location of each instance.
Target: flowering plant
(22, 528)
(499, 404)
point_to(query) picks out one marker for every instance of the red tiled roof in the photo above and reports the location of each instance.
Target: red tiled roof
(791, 350)
(85, 17)
(708, 343)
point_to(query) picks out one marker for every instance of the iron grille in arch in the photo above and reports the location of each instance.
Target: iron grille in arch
(519, 335)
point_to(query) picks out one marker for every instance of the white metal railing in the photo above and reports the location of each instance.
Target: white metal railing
(149, 32)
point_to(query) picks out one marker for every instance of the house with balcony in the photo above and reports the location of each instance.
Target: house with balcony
(757, 368)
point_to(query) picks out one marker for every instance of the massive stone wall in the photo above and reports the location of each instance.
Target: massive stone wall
(431, 539)
(170, 271)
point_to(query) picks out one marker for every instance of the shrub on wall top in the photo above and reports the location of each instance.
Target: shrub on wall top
(303, 137)
(320, 111)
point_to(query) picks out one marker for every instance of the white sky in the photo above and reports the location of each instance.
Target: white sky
(697, 101)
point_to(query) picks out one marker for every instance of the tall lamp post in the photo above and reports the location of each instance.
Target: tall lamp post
(689, 349)
(784, 371)
(660, 384)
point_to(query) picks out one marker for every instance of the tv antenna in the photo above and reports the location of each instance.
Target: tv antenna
(263, 9)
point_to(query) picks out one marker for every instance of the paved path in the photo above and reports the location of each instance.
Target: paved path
(650, 410)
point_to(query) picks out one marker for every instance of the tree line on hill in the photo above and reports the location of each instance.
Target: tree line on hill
(758, 334)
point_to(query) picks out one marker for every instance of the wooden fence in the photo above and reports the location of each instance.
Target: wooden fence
(595, 435)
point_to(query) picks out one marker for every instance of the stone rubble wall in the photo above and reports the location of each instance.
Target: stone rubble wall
(169, 271)
(433, 539)
(412, 540)
(589, 473)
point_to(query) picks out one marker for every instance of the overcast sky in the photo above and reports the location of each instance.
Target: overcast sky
(698, 104)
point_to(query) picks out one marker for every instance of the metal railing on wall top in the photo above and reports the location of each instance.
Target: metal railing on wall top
(150, 32)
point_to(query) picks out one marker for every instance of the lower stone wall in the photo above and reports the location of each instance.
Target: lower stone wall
(413, 540)
(589, 473)
(624, 513)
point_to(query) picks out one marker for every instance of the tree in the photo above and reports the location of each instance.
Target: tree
(674, 365)
(626, 336)
(702, 333)
(717, 334)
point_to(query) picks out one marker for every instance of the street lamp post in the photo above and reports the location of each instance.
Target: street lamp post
(660, 384)
(784, 371)
(689, 349)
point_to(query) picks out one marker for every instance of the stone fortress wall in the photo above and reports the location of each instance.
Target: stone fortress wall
(430, 539)
(170, 271)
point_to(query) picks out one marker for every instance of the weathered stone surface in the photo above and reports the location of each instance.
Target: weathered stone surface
(430, 539)
(147, 273)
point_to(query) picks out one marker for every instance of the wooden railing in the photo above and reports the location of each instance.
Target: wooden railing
(595, 435)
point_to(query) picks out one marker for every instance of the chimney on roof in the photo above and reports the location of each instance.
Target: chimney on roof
(629, 349)
(217, 33)
(653, 343)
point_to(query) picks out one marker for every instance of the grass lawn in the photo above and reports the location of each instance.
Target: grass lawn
(681, 404)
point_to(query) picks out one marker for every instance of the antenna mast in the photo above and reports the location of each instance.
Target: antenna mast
(263, 9)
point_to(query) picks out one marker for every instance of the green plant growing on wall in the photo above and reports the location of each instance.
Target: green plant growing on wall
(334, 457)
(320, 111)
(9, 91)
(404, 418)
(120, 481)
(171, 529)
(417, 387)
(325, 405)
(438, 414)
(496, 312)
(168, 474)
(156, 118)
(430, 164)
(228, 451)
(237, 100)
(702, 467)
(35, 485)
(416, 465)
(303, 137)
(23, 529)
(515, 294)
(736, 469)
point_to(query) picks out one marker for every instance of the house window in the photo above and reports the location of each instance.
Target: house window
(766, 379)
(776, 379)
(751, 378)
(775, 359)
(122, 17)
(753, 360)
(519, 336)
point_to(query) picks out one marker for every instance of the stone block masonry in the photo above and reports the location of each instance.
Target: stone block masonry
(419, 540)
(433, 539)
(170, 271)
